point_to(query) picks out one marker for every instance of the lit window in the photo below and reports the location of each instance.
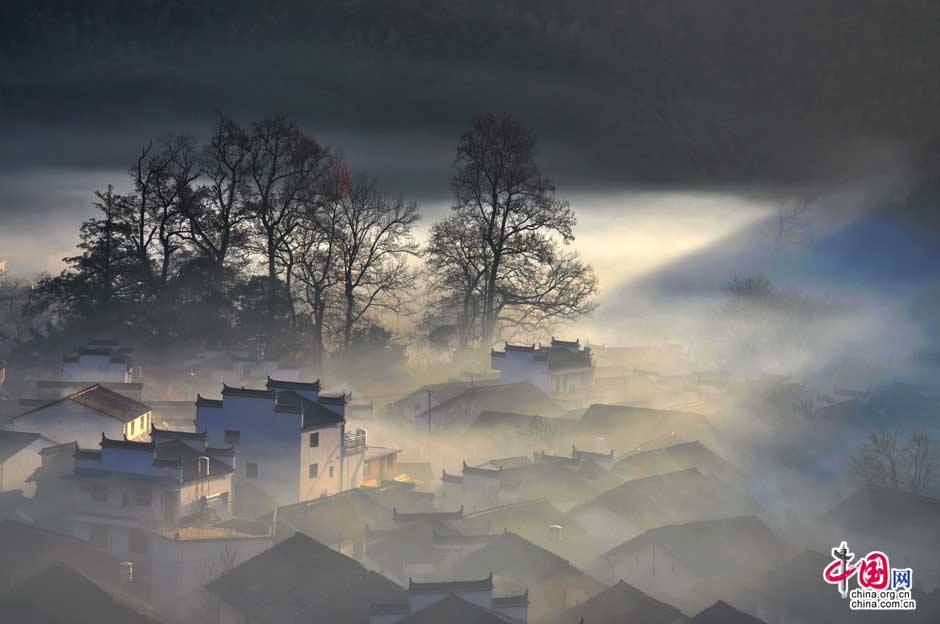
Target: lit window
(233, 437)
(314, 470)
(314, 439)
(251, 470)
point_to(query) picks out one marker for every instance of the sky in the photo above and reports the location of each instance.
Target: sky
(676, 136)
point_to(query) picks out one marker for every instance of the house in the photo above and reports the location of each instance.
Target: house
(618, 604)
(299, 580)
(160, 505)
(60, 594)
(420, 544)
(210, 369)
(50, 390)
(379, 464)
(408, 407)
(675, 457)
(26, 550)
(341, 520)
(904, 524)
(538, 521)
(519, 565)
(420, 473)
(489, 422)
(559, 369)
(85, 415)
(561, 480)
(702, 560)
(624, 512)
(632, 428)
(455, 602)
(99, 361)
(723, 613)
(290, 439)
(463, 409)
(19, 458)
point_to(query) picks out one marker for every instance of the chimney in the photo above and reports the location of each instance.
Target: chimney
(554, 532)
(127, 572)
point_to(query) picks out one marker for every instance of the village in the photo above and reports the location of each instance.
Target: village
(469, 312)
(532, 492)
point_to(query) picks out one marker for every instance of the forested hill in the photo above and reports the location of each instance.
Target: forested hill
(651, 90)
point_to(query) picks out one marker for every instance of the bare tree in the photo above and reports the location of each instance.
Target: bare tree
(375, 244)
(457, 262)
(15, 319)
(891, 460)
(501, 193)
(920, 459)
(215, 225)
(317, 242)
(283, 164)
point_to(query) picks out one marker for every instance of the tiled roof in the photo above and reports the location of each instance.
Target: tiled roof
(723, 613)
(202, 401)
(188, 459)
(449, 478)
(619, 603)
(480, 472)
(102, 400)
(130, 445)
(277, 384)
(301, 580)
(26, 550)
(314, 414)
(170, 434)
(455, 610)
(251, 393)
(427, 515)
(485, 584)
(504, 602)
(12, 442)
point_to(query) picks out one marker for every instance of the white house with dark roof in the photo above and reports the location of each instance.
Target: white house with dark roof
(290, 438)
(162, 505)
(559, 369)
(99, 361)
(85, 415)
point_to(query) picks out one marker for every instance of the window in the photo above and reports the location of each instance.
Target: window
(131, 428)
(99, 536)
(143, 497)
(251, 470)
(331, 471)
(137, 542)
(233, 437)
(314, 440)
(314, 470)
(365, 468)
(389, 461)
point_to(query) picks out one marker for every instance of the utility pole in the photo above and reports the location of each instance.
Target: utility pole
(429, 426)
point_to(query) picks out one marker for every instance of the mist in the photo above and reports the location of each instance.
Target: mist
(285, 366)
